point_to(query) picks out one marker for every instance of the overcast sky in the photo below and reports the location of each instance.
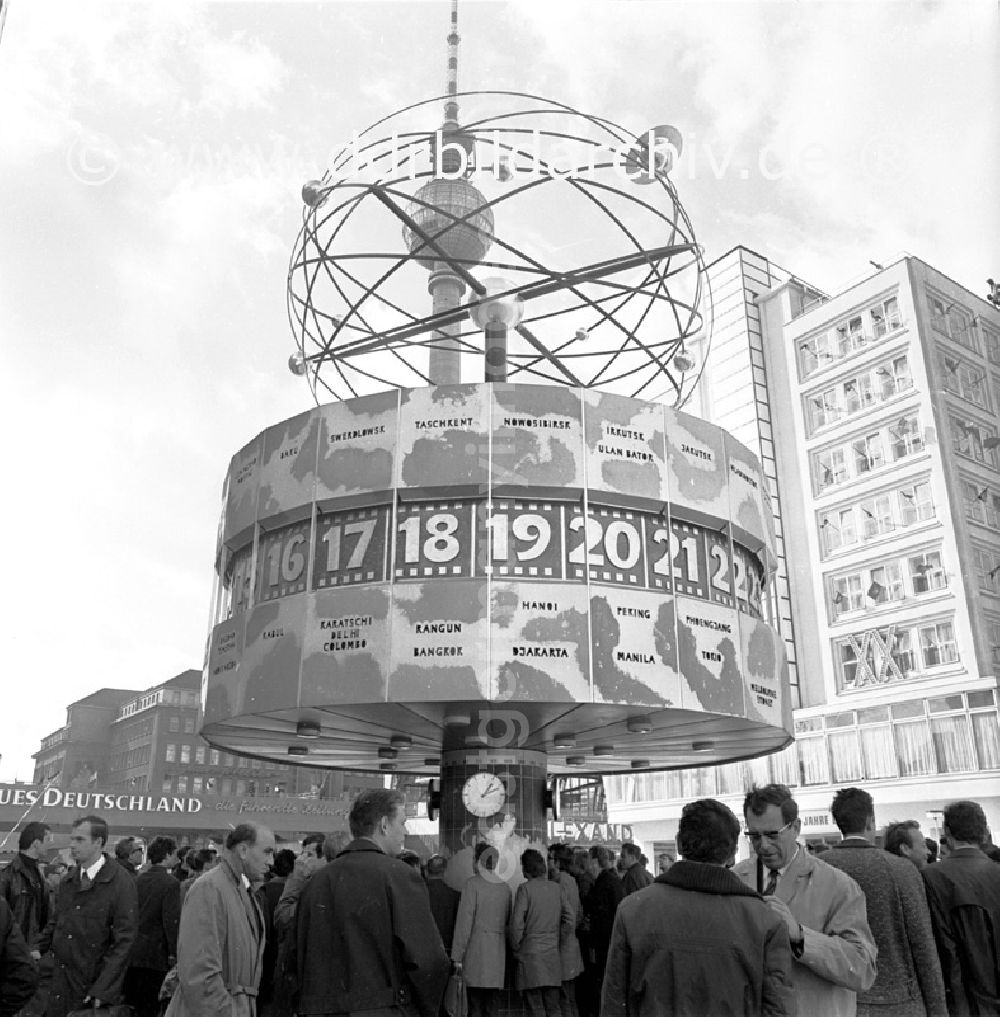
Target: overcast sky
(151, 161)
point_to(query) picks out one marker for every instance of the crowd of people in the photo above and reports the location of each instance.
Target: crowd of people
(356, 924)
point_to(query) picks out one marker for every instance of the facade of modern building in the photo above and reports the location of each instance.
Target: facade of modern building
(876, 419)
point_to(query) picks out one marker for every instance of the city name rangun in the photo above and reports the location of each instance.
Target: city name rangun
(54, 798)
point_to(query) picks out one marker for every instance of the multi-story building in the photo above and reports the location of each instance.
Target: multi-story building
(76, 755)
(146, 743)
(876, 409)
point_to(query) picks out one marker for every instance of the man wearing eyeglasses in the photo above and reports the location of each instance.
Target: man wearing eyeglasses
(822, 907)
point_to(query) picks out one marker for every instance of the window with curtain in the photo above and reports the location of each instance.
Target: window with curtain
(185, 753)
(915, 749)
(877, 752)
(845, 757)
(784, 768)
(953, 742)
(813, 764)
(986, 735)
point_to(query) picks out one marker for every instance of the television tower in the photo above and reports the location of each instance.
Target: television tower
(455, 219)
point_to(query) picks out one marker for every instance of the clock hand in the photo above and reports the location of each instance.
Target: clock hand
(494, 784)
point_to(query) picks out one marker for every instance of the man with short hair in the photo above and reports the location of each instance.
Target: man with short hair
(366, 939)
(154, 951)
(636, 877)
(822, 907)
(908, 982)
(312, 845)
(22, 885)
(906, 840)
(94, 925)
(699, 941)
(128, 854)
(664, 860)
(963, 892)
(220, 948)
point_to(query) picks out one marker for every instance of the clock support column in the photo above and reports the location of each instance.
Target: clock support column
(510, 820)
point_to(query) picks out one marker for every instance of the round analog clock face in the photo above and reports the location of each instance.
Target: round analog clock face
(484, 794)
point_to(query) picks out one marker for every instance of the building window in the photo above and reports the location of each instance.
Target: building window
(981, 505)
(839, 529)
(227, 759)
(185, 753)
(885, 318)
(213, 757)
(241, 787)
(825, 408)
(987, 565)
(877, 514)
(964, 380)
(199, 755)
(915, 504)
(813, 762)
(170, 753)
(992, 341)
(831, 468)
(868, 453)
(174, 725)
(189, 725)
(926, 572)
(182, 784)
(937, 644)
(167, 785)
(974, 441)
(915, 749)
(227, 786)
(196, 785)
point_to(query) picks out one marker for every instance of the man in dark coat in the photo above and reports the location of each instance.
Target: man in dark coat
(365, 934)
(23, 887)
(908, 979)
(963, 892)
(600, 906)
(636, 877)
(154, 951)
(444, 900)
(94, 925)
(18, 977)
(698, 941)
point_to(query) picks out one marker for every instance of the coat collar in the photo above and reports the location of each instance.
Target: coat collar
(855, 843)
(705, 878)
(363, 844)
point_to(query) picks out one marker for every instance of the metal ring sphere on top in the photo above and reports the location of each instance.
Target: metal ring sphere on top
(612, 278)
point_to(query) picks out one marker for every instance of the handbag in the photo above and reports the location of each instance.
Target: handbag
(455, 1003)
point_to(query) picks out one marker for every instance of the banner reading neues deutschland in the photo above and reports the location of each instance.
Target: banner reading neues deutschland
(26, 802)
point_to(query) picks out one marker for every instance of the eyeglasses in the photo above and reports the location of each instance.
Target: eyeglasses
(755, 836)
